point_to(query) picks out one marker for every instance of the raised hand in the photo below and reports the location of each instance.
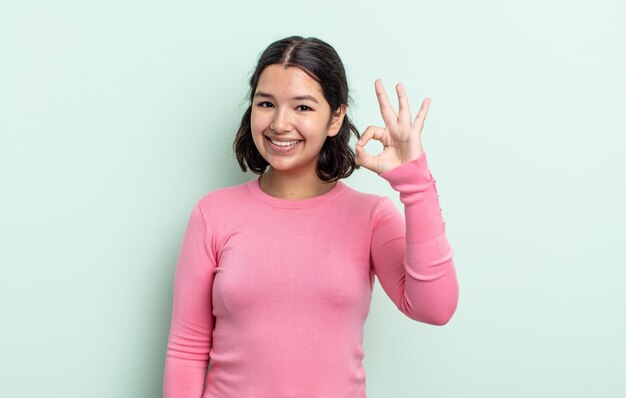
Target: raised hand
(402, 140)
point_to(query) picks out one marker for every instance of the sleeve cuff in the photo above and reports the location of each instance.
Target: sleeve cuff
(416, 170)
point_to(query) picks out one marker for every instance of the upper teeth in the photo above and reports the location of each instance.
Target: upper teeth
(283, 143)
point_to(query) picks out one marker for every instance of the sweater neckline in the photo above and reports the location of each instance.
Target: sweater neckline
(256, 190)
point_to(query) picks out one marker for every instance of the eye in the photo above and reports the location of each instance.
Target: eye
(264, 102)
(307, 108)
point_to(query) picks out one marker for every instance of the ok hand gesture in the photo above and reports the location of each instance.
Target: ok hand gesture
(402, 140)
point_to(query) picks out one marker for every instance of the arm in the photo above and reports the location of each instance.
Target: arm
(411, 256)
(192, 322)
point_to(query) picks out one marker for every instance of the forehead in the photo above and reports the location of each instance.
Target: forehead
(277, 77)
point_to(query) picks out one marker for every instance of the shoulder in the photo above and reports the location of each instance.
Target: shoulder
(223, 200)
(371, 203)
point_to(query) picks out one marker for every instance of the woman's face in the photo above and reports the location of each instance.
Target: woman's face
(278, 114)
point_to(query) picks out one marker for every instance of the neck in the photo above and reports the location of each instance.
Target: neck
(293, 187)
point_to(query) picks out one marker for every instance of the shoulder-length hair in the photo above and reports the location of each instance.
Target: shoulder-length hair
(320, 61)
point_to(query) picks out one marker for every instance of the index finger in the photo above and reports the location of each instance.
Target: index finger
(389, 115)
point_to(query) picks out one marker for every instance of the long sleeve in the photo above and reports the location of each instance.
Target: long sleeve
(192, 321)
(411, 255)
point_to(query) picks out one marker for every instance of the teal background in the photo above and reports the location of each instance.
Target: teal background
(117, 116)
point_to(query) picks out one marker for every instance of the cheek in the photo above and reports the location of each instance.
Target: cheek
(257, 138)
(258, 123)
(313, 129)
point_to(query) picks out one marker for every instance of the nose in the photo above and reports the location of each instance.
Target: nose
(281, 121)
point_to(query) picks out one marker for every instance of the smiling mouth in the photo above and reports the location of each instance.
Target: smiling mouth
(283, 144)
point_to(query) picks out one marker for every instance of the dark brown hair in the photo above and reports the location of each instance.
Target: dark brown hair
(320, 61)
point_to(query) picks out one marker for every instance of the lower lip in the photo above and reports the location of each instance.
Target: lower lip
(277, 148)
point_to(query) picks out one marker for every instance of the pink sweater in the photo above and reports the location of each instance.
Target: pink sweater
(275, 292)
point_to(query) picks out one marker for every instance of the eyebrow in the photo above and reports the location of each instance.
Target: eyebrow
(299, 97)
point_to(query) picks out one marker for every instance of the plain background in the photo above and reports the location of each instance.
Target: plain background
(117, 116)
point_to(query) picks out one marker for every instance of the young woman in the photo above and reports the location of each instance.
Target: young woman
(274, 277)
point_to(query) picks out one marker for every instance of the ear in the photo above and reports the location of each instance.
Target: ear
(337, 121)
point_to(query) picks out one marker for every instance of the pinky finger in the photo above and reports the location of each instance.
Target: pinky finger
(421, 115)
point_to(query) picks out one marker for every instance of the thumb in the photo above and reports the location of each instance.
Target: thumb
(362, 158)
